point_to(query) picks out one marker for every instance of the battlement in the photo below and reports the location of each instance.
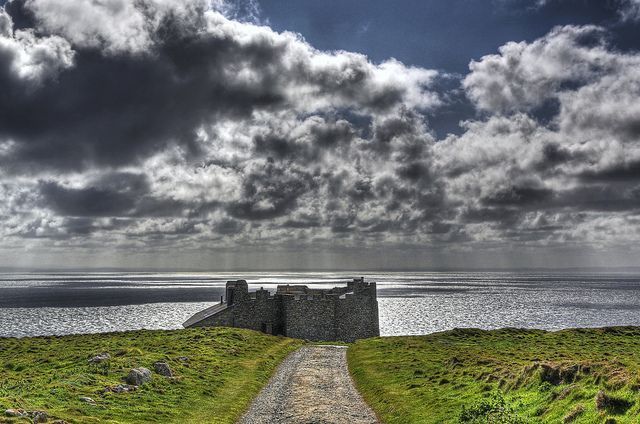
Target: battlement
(344, 313)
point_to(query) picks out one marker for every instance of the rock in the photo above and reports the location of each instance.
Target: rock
(86, 399)
(138, 376)
(120, 388)
(40, 417)
(104, 356)
(163, 368)
(183, 358)
(11, 412)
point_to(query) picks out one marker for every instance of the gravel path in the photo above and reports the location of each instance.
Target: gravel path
(311, 386)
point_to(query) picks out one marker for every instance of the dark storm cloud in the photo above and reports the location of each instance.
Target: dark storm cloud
(229, 227)
(554, 154)
(306, 143)
(275, 146)
(360, 191)
(119, 195)
(302, 222)
(414, 171)
(270, 191)
(332, 134)
(115, 195)
(387, 130)
(115, 109)
(507, 216)
(625, 171)
(115, 104)
(607, 198)
(521, 195)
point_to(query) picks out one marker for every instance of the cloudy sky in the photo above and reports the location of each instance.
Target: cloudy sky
(215, 134)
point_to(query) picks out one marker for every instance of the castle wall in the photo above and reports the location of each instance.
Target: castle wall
(259, 315)
(223, 318)
(310, 319)
(356, 316)
(317, 315)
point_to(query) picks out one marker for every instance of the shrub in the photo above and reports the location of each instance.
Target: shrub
(494, 410)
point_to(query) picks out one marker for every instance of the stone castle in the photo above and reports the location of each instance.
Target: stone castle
(337, 314)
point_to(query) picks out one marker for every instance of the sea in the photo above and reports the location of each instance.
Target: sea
(56, 303)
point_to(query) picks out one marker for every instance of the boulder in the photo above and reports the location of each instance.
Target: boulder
(40, 417)
(86, 399)
(11, 412)
(139, 376)
(104, 356)
(163, 368)
(120, 388)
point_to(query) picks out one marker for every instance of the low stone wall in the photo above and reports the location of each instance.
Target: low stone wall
(253, 315)
(223, 318)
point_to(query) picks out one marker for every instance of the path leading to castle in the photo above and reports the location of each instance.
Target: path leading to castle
(312, 385)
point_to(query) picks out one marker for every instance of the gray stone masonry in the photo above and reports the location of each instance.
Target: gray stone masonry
(339, 314)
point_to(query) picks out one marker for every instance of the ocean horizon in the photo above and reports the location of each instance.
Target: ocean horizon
(410, 303)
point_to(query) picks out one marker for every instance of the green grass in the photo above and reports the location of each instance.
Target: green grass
(502, 376)
(225, 370)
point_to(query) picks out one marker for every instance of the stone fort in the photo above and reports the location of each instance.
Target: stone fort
(338, 314)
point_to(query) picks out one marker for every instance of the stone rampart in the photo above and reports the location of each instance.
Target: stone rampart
(339, 314)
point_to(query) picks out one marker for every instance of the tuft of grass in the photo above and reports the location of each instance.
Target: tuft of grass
(494, 410)
(217, 371)
(574, 414)
(502, 376)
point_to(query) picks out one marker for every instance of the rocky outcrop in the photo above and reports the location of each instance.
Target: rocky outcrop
(11, 412)
(120, 388)
(101, 357)
(163, 368)
(40, 417)
(88, 400)
(36, 416)
(139, 376)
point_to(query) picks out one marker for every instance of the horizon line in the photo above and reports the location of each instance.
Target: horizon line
(10, 269)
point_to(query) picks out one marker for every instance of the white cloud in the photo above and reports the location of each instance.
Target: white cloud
(525, 75)
(31, 57)
(116, 25)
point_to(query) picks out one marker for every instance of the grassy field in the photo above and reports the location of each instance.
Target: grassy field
(502, 376)
(218, 372)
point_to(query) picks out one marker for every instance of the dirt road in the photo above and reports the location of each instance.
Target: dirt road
(311, 386)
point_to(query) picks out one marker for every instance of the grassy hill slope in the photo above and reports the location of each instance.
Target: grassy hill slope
(502, 376)
(217, 371)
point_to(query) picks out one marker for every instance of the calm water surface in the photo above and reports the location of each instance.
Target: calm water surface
(410, 302)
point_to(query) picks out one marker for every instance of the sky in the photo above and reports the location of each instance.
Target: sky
(246, 134)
